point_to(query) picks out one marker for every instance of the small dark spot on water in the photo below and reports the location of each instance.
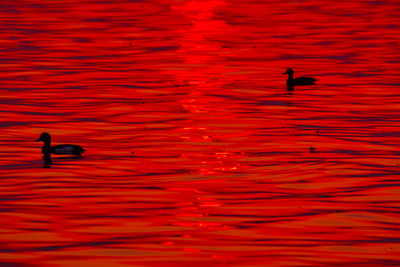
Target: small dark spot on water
(153, 187)
(83, 40)
(96, 20)
(162, 48)
(12, 264)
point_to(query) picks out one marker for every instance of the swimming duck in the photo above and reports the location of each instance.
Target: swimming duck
(290, 82)
(58, 149)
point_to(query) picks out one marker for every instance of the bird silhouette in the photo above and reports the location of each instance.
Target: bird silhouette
(67, 149)
(292, 82)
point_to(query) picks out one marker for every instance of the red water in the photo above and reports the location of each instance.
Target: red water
(221, 173)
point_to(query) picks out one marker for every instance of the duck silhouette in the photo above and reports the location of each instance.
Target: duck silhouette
(291, 83)
(47, 149)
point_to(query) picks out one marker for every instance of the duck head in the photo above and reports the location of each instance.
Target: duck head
(289, 71)
(45, 137)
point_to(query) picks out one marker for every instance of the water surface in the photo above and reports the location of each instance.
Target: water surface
(196, 152)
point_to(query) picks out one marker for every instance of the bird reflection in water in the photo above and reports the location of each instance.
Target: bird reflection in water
(47, 160)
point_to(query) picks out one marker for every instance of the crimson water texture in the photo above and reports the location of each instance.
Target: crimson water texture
(197, 154)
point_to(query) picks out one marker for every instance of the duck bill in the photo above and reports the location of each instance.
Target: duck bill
(285, 73)
(37, 140)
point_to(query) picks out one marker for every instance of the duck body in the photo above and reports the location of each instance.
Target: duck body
(291, 82)
(301, 81)
(66, 149)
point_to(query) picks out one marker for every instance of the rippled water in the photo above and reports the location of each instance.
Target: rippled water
(196, 152)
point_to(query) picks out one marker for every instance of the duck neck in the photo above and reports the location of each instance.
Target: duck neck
(46, 147)
(290, 76)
